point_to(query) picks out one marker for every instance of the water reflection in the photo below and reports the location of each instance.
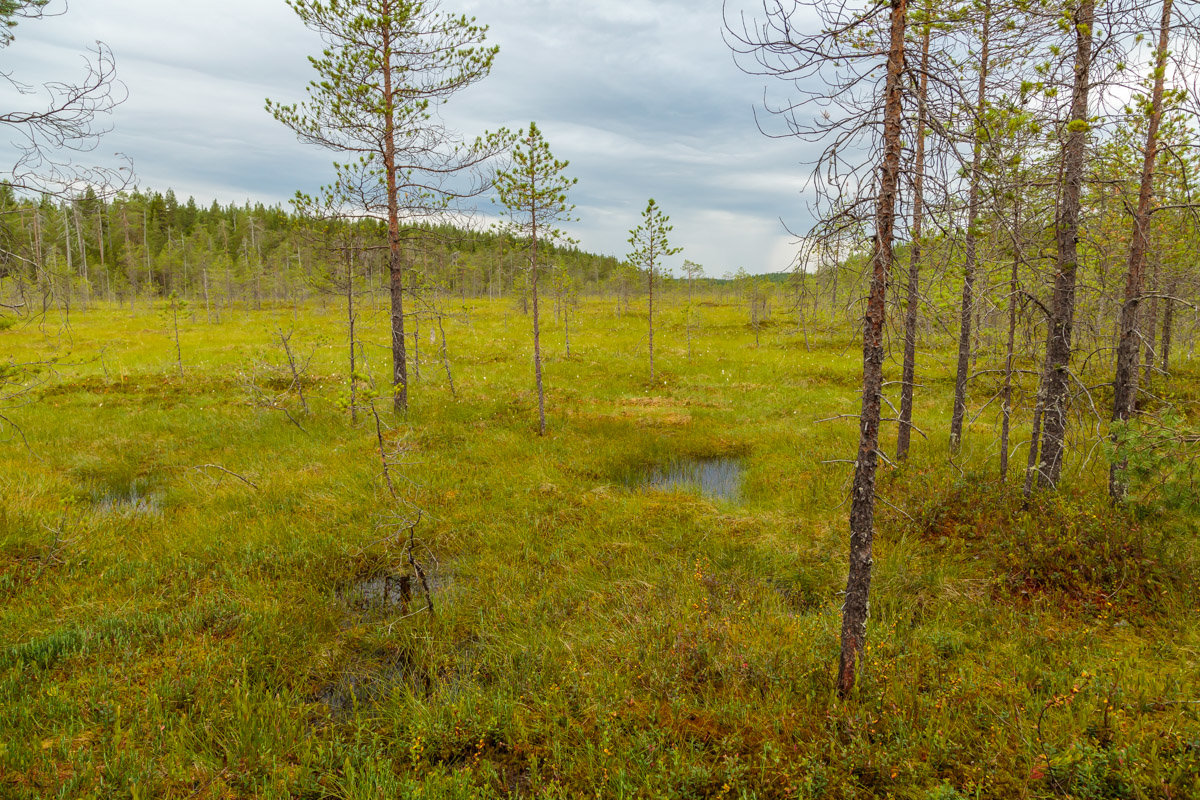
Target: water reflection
(715, 478)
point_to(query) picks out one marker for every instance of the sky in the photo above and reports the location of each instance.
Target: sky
(641, 96)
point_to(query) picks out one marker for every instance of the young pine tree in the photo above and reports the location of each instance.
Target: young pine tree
(650, 246)
(533, 191)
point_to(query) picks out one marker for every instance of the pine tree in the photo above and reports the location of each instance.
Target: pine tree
(387, 67)
(533, 191)
(650, 246)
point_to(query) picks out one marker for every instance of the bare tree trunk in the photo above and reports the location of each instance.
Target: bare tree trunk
(1009, 353)
(1168, 323)
(862, 507)
(228, 270)
(537, 344)
(499, 291)
(395, 260)
(146, 247)
(175, 324)
(285, 341)
(207, 305)
(87, 286)
(904, 433)
(445, 355)
(1034, 441)
(1150, 329)
(351, 319)
(688, 321)
(833, 294)
(70, 261)
(1056, 370)
(650, 284)
(399, 354)
(100, 242)
(754, 313)
(130, 267)
(416, 326)
(183, 250)
(39, 265)
(969, 268)
(688, 329)
(1125, 383)
(256, 268)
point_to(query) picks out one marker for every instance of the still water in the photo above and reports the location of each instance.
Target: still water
(715, 478)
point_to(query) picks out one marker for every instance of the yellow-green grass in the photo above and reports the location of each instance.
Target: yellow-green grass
(178, 563)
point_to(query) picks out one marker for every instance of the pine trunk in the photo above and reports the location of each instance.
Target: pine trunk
(969, 268)
(1168, 324)
(416, 326)
(350, 319)
(1150, 329)
(862, 508)
(537, 334)
(395, 259)
(1056, 370)
(1010, 349)
(904, 434)
(1125, 383)
(650, 283)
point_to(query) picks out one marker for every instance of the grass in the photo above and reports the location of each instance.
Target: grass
(180, 573)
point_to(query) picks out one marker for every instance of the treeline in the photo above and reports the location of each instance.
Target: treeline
(145, 245)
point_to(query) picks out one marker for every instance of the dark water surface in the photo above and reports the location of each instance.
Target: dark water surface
(716, 478)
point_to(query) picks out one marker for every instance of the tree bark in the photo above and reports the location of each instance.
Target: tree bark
(146, 248)
(1010, 349)
(862, 508)
(1125, 382)
(395, 258)
(100, 242)
(87, 280)
(1168, 324)
(904, 433)
(537, 332)
(207, 305)
(1150, 329)
(1056, 369)
(650, 284)
(445, 355)
(969, 268)
(130, 265)
(350, 320)
(416, 321)
(537, 355)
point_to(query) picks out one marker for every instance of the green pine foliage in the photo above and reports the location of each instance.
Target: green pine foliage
(649, 242)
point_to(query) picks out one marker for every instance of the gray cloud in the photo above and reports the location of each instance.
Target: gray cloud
(641, 96)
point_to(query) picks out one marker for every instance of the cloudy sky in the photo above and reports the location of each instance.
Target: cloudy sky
(641, 96)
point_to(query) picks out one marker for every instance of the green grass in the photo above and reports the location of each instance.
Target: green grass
(171, 630)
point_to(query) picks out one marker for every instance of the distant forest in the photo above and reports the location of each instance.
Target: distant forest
(143, 245)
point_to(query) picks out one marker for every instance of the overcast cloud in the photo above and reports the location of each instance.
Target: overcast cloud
(640, 95)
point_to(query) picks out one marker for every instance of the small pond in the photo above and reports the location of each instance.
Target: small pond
(387, 592)
(136, 498)
(717, 478)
